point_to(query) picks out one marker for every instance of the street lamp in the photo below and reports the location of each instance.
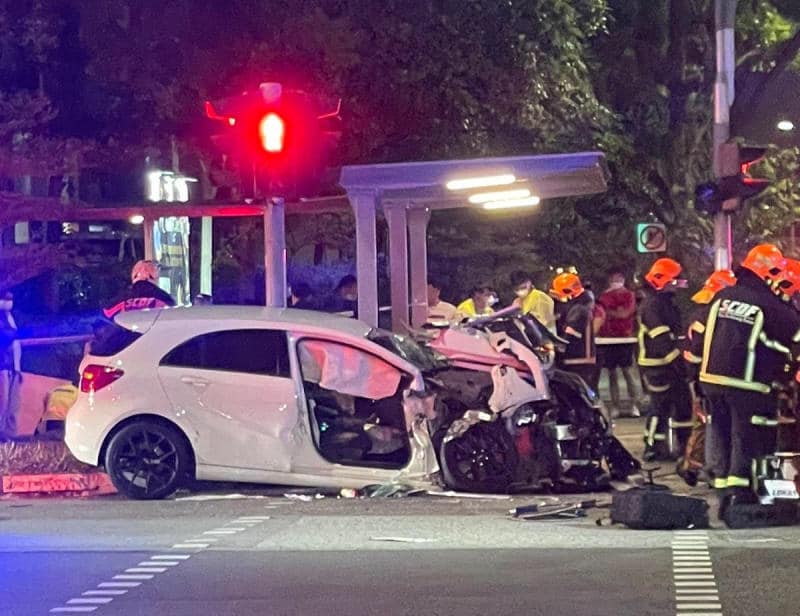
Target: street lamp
(785, 126)
(481, 182)
(501, 195)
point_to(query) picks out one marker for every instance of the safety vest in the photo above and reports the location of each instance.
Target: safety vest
(751, 338)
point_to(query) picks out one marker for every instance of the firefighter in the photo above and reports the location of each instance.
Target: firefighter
(574, 324)
(694, 457)
(143, 293)
(662, 371)
(751, 335)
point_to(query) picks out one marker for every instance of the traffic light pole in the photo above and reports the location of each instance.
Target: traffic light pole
(724, 19)
(275, 252)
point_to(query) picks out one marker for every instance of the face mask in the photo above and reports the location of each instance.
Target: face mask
(617, 285)
(521, 293)
(492, 300)
(350, 297)
(6, 305)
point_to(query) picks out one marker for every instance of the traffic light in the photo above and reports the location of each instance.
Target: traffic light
(735, 184)
(278, 137)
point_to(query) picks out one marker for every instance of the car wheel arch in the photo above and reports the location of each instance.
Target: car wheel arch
(152, 418)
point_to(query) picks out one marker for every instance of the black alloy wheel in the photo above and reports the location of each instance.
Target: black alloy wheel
(484, 459)
(147, 460)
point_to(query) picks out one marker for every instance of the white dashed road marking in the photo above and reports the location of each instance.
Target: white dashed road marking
(133, 577)
(693, 575)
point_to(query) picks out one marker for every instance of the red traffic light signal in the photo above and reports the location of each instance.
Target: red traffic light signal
(272, 130)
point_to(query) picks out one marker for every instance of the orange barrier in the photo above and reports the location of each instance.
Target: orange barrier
(89, 483)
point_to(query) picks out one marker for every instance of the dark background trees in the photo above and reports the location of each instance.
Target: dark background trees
(88, 88)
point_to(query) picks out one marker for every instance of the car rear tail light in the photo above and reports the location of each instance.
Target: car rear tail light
(95, 377)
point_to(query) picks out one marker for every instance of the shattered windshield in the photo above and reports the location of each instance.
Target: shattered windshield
(422, 357)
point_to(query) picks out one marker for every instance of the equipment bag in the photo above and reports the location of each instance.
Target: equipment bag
(643, 508)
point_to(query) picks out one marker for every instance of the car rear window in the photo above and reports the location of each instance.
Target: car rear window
(110, 339)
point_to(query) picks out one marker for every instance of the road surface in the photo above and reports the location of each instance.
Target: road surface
(264, 554)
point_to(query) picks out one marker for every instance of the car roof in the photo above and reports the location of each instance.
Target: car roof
(284, 318)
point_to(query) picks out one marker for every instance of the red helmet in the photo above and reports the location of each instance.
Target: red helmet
(766, 261)
(713, 285)
(566, 286)
(664, 272)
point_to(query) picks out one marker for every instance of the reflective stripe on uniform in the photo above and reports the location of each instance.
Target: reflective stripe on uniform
(773, 344)
(692, 358)
(720, 483)
(761, 420)
(580, 360)
(573, 332)
(648, 362)
(712, 322)
(698, 327)
(729, 381)
(796, 337)
(674, 423)
(750, 364)
(658, 331)
(734, 481)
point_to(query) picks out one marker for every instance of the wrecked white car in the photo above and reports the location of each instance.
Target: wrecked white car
(302, 398)
(255, 395)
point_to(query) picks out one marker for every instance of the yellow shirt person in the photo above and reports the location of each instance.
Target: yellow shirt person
(532, 301)
(479, 303)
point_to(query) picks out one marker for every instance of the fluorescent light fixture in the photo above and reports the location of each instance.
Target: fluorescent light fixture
(481, 182)
(518, 193)
(785, 125)
(136, 219)
(509, 203)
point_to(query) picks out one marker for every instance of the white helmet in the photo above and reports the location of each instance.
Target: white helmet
(144, 270)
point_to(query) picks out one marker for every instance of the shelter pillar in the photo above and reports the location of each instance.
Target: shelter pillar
(397, 220)
(418, 219)
(365, 205)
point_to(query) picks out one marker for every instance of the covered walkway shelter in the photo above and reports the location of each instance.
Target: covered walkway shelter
(406, 193)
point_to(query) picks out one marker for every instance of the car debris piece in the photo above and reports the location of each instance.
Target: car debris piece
(306, 498)
(575, 509)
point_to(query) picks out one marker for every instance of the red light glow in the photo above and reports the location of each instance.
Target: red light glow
(272, 130)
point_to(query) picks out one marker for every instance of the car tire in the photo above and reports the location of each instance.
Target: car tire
(148, 460)
(484, 459)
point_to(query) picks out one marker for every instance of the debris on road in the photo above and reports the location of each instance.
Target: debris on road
(403, 539)
(545, 510)
(95, 484)
(306, 498)
(213, 497)
(452, 494)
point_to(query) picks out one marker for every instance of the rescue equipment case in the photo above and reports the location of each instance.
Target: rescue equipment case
(643, 508)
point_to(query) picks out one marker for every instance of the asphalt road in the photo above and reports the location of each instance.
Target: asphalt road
(265, 554)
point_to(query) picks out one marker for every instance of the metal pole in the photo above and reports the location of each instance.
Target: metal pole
(724, 19)
(275, 252)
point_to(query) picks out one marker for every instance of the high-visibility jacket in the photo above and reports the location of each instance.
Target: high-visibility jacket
(659, 328)
(693, 349)
(751, 339)
(540, 305)
(575, 325)
(467, 309)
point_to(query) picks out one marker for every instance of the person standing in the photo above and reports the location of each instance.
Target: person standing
(479, 303)
(619, 303)
(575, 324)
(532, 301)
(345, 297)
(439, 312)
(699, 446)
(662, 371)
(10, 374)
(751, 336)
(144, 292)
(301, 297)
